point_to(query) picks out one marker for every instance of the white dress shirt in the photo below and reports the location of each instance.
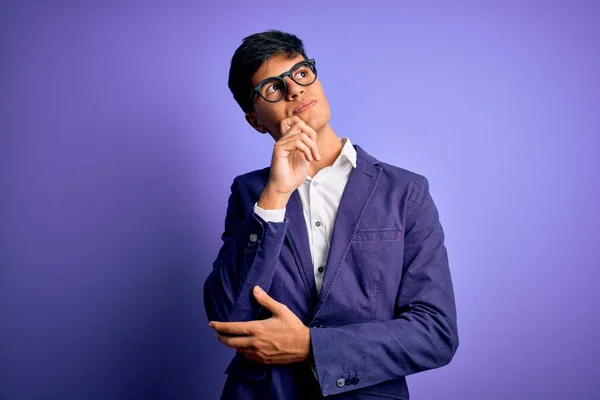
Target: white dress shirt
(320, 197)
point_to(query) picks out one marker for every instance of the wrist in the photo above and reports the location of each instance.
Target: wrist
(307, 356)
(272, 200)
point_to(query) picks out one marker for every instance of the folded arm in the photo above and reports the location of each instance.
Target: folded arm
(247, 258)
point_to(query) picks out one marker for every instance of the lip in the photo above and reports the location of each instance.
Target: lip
(305, 105)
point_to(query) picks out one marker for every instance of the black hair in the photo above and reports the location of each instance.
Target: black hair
(252, 53)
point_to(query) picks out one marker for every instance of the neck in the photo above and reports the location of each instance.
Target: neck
(330, 147)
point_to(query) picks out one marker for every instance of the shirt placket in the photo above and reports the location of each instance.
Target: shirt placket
(319, 227)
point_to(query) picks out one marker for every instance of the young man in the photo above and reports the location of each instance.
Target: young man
(333, 277)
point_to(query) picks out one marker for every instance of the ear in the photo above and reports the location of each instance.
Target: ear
(253, 121)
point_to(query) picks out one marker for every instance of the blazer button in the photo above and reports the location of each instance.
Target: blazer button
(340, 382)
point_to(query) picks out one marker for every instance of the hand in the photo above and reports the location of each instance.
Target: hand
(281, 339)
(292, 155)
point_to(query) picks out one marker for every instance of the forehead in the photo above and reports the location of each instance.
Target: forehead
(274, 66)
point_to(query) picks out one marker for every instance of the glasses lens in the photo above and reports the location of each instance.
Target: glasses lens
(273, 89)
(304, 73)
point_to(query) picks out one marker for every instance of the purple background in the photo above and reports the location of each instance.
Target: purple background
(119, 141)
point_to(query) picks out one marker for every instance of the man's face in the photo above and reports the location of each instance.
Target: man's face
(307, 102)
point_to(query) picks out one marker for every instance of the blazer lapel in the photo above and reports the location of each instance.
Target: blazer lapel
(297, 235)
(357, 193)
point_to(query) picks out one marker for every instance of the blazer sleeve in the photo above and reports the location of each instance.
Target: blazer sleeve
(248, 257)
(423, 335)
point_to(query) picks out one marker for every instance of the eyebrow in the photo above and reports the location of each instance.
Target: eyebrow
(275, 76)
(286, 71)
(279, 75)
(272, 76)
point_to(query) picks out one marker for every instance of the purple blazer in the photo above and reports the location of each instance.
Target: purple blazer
(386, 308)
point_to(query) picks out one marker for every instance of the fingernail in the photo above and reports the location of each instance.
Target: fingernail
(257, 290)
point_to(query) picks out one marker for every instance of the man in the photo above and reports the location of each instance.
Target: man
(333, 277)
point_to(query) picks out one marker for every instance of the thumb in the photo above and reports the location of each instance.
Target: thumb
(266, 301)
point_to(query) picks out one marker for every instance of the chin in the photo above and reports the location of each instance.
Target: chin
(318, 123)
(314, 123)
(315, 118)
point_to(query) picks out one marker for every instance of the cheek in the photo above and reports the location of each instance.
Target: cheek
(271, 117)
(322, 115)
(324, 110)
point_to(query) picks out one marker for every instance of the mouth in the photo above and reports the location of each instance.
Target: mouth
(304, 106)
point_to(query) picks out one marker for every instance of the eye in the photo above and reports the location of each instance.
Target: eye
(302, 73)
(272, 87)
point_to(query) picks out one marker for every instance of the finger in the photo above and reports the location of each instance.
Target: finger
(297, 144)
(312, 143)
(300, 132)
(291, 127)
(308, 130)
(286, 124)
(311, 133)
(233, 328)
(295, 125)
(307, 135)
(306, 139)
(267, 301)
(235, 342)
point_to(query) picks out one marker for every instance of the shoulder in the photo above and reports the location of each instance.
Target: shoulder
(250, 185)
(253, 178)
(392, 174)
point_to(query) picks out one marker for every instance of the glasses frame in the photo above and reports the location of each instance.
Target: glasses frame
(281, 77)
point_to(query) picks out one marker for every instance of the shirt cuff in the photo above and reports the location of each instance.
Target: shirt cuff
(269, 215)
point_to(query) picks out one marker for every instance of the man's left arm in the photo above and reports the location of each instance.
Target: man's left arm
(424, 333)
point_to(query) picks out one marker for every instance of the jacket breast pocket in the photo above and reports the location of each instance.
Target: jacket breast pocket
(375, 265)
(377, 235)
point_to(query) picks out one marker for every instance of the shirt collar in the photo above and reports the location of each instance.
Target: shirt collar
(346, 156)
(348, 153)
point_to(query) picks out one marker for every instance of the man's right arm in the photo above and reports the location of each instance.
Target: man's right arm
(248, 257)
(252, 240)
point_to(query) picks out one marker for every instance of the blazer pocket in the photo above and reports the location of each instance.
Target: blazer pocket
(377, 235)
(243, 368)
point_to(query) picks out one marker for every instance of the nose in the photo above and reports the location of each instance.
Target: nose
(293, 89)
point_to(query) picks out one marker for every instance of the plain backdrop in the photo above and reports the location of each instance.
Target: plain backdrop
(119, 140)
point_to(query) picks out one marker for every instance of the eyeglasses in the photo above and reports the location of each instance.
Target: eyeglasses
(274, 89)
